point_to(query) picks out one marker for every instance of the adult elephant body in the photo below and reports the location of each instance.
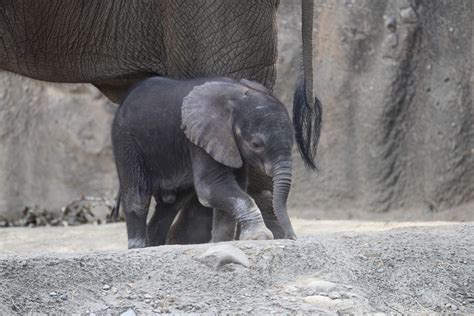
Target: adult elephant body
(113, 43)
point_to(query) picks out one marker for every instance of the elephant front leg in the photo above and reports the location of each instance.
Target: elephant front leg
(217, 187)
(223, 226)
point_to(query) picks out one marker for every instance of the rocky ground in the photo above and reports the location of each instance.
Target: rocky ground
(335, 266)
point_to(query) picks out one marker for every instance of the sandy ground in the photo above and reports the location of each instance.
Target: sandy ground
(84, 238)
(333, 267)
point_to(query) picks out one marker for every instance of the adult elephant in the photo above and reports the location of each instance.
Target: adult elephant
(115, 43)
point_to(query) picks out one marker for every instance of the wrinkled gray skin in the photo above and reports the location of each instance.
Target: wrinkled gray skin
(176, 139)
(193, 225)
(116, 43)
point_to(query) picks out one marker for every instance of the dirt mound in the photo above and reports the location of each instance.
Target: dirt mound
(406, 270)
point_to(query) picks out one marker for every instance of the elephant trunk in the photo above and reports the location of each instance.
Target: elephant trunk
(281, 174)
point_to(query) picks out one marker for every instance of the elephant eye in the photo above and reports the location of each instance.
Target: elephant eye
(257, 144)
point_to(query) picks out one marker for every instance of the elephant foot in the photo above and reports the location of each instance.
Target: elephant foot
(291, 236)
(256, 231)
(222, 236)
(136, 243)
(289, 233)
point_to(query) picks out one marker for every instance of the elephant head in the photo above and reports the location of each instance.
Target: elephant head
(240, 123)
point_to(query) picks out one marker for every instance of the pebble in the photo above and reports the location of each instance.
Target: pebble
(408, 15)
(129, 312)
(290, 289)
(221, 255)
(391, 23)
(106, 287)
(451, 306)
(321, 285)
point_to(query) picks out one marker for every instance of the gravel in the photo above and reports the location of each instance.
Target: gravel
(403, 270)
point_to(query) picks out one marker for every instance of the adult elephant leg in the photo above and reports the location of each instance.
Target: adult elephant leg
(192, 226)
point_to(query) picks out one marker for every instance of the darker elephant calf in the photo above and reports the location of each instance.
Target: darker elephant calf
(175, 140)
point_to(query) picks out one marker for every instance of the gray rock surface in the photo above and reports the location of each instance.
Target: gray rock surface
(404, 271)
(54, 144)
(395, 80)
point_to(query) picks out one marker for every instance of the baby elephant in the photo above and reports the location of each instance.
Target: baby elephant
(177, 139)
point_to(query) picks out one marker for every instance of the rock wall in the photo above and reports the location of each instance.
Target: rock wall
(395, 80)
(54, 144)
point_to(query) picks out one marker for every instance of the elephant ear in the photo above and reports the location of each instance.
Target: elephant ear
(206, 116)
(255, 85)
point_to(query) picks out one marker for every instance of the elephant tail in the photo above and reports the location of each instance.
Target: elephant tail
(307, 123)
(307, 116)
(114, 215)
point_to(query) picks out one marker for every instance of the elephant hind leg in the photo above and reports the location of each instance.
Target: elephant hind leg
(160, 223)
(192, 226)
(135, 190)
(135, 206)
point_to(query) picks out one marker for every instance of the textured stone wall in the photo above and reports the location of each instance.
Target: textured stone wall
(54, 144)
(395, 80)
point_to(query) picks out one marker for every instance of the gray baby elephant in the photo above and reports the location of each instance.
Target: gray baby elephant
(175, 140)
